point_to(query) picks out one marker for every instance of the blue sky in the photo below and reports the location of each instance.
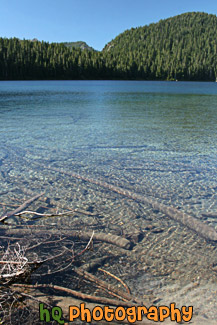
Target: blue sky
(94, 21)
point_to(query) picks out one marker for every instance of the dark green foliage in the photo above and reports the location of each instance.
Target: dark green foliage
(23, 60)
(183, 47)
(78, 45)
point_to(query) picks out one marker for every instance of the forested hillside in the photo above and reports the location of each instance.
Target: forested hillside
(40, 60)
(183, 47)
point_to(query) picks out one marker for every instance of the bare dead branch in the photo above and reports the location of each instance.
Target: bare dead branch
(116, 278)
(80, 295)
(44, 214)
(21, 207)
(103, 284)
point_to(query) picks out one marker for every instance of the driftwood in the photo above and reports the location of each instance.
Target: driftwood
(16, 263)
(116, 278)
(20, 208)
(191, 222)
(105, 285)
(80, 295)
(76, 210)
(44, 214)
(83, 235)
(55, 204)
(107, 238)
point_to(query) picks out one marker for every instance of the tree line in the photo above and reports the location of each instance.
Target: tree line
(182, 47)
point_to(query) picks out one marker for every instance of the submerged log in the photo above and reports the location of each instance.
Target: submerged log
(185, 219)
(82, 235)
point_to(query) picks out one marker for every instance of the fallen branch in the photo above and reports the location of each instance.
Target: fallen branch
(116, 278)
(107, 238)
(103, 284)
(44, 214)
(18, 261)
(55, 214)
(56, 205)
(20, 208)
(83, 235)
(80, 295)
(192, 223)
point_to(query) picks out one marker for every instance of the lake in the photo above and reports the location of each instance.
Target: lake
(154, 139)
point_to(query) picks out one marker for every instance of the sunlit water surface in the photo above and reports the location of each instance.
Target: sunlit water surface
(157, 139)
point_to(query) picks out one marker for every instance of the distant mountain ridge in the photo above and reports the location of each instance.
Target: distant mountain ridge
(183, 47)
(79, 45)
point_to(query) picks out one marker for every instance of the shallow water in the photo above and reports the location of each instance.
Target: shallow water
(157, 139)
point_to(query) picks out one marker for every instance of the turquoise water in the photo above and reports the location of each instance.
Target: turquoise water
(157, 139)
(165, 130)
